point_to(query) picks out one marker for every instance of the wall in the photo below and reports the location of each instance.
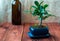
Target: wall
(6, 9)
(54, 8)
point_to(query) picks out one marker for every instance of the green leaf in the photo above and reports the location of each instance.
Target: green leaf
(33, 6)
(39, 18)
(51, 15)
(36, 3)
(27, 11)
(45, 6)
(48, 15)
(41, 7)
(45, 12)
(34, 13)
(42, 11)
(45, 17)
(41, 2)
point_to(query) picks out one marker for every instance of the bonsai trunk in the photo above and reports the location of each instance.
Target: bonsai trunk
(40, 25)
(41, 22)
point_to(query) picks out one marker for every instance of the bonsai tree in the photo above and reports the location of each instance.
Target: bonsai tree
(40, 10)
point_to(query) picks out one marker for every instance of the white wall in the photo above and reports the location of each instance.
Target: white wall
(6, 11)
(54, 8)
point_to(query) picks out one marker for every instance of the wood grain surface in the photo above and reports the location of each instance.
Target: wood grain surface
(9, 32)
(54, 30)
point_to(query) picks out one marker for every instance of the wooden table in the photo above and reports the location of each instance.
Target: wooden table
(9, 32)
(54, 30)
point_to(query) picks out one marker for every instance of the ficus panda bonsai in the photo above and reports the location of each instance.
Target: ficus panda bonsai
(39, 9)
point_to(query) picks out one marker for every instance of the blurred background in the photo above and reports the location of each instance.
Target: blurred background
(6, 11)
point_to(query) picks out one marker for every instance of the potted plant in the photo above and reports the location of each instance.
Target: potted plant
(39, 9)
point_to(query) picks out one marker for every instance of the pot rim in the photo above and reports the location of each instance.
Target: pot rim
(38, 27)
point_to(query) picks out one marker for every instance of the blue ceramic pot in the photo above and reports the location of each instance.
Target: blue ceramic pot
(39, 31)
